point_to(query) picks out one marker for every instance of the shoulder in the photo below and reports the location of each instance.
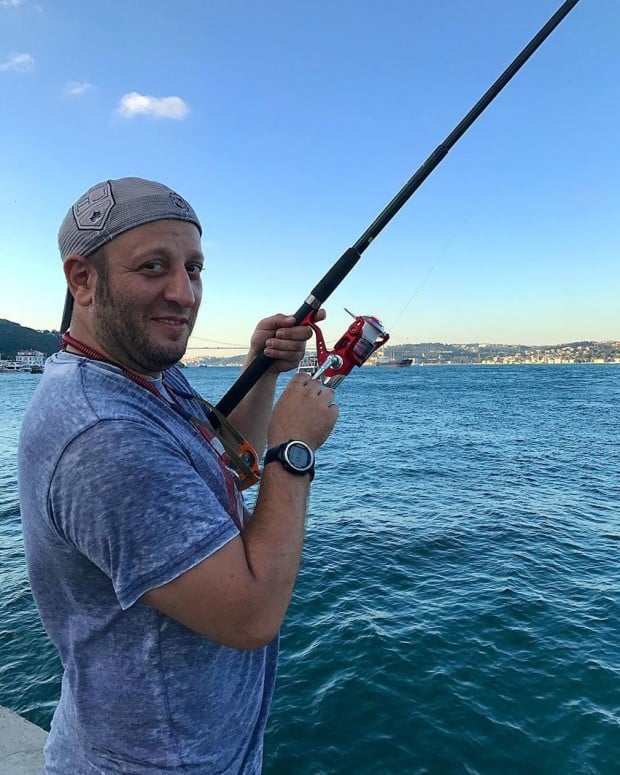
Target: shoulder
(88, 390)
(80, 401)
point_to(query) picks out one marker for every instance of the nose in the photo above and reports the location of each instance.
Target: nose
(179, 287)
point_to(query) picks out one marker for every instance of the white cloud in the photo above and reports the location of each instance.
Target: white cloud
(14, 4)
(19, 63)
(76, 89)
(133, 104)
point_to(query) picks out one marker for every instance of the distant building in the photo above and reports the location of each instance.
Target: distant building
(28, 358)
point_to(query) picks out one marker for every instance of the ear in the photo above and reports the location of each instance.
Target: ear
(81, 275)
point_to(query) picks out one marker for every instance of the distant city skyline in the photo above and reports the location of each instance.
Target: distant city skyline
(290, 126)
(594, 348)
(422, 354)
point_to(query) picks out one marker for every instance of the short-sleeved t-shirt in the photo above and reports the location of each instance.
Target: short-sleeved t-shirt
(119, 494)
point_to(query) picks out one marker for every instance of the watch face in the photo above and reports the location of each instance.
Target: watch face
(299, 456)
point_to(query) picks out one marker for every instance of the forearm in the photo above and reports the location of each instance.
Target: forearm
(251, 416)
(239, 595)
(273, 542)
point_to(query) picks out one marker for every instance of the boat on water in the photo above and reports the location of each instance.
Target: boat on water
(11, 367)
(385, 360)
(308, 364)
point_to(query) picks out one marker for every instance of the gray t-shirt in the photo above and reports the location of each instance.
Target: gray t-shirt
(120, 494)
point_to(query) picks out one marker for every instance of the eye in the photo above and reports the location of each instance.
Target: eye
(154, 266)
(194, 269)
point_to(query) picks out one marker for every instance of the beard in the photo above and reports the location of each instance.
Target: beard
(122, 332)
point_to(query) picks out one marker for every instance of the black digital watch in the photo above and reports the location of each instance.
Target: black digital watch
(296, 457)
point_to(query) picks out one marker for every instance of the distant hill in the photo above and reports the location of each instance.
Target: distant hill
(438, 352)
(14, 337)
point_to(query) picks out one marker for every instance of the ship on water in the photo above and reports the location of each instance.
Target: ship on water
(390, 361)
(309, 364)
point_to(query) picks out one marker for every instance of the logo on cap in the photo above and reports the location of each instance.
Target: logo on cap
(92, 210)
(178, 201)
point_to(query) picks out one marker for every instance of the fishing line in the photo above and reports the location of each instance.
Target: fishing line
(425, 278)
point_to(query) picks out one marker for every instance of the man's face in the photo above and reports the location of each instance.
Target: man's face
(147, 297)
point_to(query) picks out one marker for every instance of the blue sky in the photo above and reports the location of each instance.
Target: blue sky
(290, 125)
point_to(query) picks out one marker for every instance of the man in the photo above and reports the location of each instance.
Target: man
(163, 600)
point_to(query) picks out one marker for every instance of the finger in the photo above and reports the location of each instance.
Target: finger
(299, 333)
(328, 395)
(316, 387)
(275, 321)
(280, 321)
(303, 380)
(316, 315)
(270, 326)
(285, 345)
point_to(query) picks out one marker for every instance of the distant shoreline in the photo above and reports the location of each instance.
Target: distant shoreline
(430, 364)
(520, 363)
(478, 354)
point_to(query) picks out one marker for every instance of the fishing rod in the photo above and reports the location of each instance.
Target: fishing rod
(330, 281)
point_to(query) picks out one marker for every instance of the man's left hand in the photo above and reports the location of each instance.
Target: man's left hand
(279, 338)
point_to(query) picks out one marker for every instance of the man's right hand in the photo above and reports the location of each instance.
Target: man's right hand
(305, 411)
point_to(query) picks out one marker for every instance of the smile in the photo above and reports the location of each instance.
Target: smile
(172, 321)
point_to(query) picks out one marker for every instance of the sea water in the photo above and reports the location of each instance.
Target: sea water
(458, 605)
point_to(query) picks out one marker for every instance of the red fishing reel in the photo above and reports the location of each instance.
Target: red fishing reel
(361, 339)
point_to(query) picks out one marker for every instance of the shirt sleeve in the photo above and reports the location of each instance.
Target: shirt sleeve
(130, 499)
